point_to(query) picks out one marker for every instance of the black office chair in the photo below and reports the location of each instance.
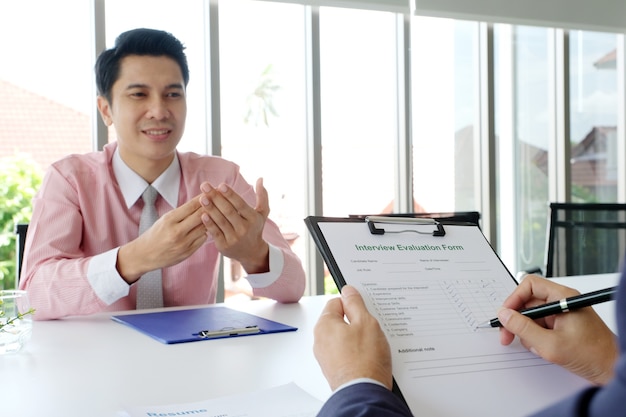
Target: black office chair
(585, 238)
(20, 230)
(443, 217)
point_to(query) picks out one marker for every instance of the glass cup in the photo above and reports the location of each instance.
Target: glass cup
(16, 322)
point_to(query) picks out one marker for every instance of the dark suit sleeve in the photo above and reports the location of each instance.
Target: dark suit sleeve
(364, 400)
(606, 401)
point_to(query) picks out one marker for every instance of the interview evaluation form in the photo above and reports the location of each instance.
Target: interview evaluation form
(430, 293)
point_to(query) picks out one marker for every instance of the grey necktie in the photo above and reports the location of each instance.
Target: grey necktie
(149, 288)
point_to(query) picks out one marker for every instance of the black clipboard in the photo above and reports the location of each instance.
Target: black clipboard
(373, 223)
(390, 280)
(376, 226)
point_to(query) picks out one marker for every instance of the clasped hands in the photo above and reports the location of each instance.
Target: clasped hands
(218, 214)
(237, 228)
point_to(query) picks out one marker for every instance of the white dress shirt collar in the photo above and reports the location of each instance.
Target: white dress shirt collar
(133, 186)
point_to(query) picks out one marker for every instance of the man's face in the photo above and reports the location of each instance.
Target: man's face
(148, 109)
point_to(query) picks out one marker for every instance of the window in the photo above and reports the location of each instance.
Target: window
(46, 84)
(594, 108)
(524, 134)
(46, 102)
(49, 105)
(263, 108)
(359, 114)
(445, 114)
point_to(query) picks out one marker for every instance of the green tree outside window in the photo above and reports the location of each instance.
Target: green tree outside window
(20, 178)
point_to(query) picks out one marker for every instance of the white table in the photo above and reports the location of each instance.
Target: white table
(93, 366)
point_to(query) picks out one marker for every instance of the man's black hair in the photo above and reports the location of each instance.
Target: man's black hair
(149, 42)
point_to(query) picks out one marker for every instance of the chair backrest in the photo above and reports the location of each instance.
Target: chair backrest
(444, 217)
(20, 230)
(585, 238)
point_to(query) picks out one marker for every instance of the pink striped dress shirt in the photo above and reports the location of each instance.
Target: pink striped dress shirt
(80, 219)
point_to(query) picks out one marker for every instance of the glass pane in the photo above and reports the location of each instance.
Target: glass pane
(262, 72)
(359, 101)
(46, 81)
(524, 134)
(46, 104)
(186, 22)
(593, 92)
(444, 101)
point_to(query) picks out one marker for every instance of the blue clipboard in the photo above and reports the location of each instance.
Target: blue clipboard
(193, 325)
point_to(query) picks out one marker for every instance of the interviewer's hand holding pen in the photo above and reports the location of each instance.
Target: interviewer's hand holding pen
(579, 341)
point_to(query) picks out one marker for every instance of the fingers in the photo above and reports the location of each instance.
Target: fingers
(535, 290)
(185, 211)
(347, 351)
(216, 209)
(333, 310)
(532, 291)
(262, 199)
(515, 324)
(172, 238)
(523, 293)
(576, 340)
(224, 201)
(227, 216)
(349, 305)
(353, 304)
(235, 226)
(331, 316)
(185, 221)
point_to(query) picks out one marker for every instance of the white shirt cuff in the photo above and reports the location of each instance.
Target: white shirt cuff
(359, 381)
(265, 279)
(106, 282)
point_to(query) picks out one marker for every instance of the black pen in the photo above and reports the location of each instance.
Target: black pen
(562, 306)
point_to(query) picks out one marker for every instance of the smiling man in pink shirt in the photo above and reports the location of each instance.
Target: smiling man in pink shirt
(84, 253)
